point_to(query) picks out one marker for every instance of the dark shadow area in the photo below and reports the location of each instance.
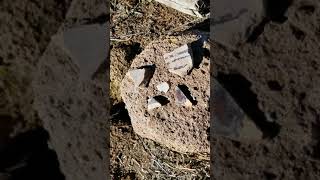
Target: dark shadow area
(316, 137)
(101, 19)
(27, 156)
(275, 10)
(298, 33)
(239, 88)
(202, 26)
(132, 50)
(274, 85)
(150, 69)
(187, 93)
(119, 114)
(162, 100)
(257, 31)
(197, 52)
(204, 6)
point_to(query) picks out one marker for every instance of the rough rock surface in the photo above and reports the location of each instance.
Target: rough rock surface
(52, 106)
(183, 129)
(74, 113)
(234, 21)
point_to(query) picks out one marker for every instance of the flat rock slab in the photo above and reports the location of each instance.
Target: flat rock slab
(183, 129)
(234, 20)
(198, 8)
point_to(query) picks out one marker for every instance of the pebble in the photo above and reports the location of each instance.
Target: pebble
(163, 87)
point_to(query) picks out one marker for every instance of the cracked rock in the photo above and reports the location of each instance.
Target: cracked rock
(179, 61)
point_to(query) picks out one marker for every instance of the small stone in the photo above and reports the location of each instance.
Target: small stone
(153, 103)
(163, 87)
(179, 61)
(141, 76)
(181, 98)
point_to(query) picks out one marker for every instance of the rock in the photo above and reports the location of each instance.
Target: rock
(72, 107)
(163, 87)
(176, 127)
(181, 98)
(141, 76)
(234, 21)
(199, 8)
(153, 103)
(180, 60)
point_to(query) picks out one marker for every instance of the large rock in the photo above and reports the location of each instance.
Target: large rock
(183, 129)
(74, 113)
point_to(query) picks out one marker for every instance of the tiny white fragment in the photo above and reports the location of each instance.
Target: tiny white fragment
(153, 103)
(163, 87)
(180, 60)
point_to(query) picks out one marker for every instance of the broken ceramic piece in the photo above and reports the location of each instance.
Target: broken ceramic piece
(181, 98)
(153, 103)
(180, 60)
(163, 87)
(229, 120)
(141, 76)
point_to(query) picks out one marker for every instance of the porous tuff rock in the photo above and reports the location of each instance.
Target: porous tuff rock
(183, 129)
(74, 112)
